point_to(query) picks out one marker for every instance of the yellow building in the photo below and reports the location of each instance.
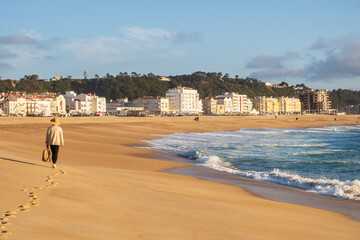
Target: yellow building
(290, 105)
(281, 105)
(272, 106)
(266, 105)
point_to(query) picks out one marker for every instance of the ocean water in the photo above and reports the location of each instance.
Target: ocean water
(322, 160)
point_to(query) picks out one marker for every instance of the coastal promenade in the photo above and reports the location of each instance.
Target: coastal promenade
(106, 188)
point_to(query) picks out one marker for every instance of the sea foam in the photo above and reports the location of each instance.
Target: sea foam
(322, 160)
(331, 187)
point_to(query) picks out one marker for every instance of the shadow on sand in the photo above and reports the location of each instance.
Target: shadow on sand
(18, 161)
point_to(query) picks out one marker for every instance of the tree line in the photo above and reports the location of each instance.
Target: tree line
(132, 86)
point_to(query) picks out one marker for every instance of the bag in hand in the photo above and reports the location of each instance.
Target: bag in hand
(46, 155)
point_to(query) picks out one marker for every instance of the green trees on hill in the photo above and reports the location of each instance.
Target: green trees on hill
(344, 97)
(208, 84)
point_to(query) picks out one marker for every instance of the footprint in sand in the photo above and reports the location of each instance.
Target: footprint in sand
(33, 202)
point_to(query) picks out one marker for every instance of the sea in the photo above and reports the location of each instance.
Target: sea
(321, 160)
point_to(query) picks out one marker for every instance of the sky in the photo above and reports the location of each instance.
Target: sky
(296, 41)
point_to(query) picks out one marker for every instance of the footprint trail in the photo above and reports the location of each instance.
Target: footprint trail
(33, 201)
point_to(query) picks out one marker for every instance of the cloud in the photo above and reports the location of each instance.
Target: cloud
(265, 62)
(319, 44)
(133, 43)
(268, 61)
(274, 67)
(342, 60)
(5, 66)
(145, 34)
(186, 37)
(279, 73)
(102, 49)
(22, 49)
(4, 54)
(17, 39)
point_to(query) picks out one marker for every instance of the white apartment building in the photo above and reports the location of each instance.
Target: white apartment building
(247, 105)
(227, 103)
(13, 105)
(158, 106)
(235, 98)
(36, 105)
(240, 103)
(99, 105)
(47, 104)
(85, 103)
(184, 100)
(71, 105)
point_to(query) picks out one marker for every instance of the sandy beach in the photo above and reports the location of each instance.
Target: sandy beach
(106, 188)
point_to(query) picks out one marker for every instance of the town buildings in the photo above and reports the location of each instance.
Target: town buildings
(178, 101)
(351, 109)
(34, 104)
(289, 105)
(225, 105)
(13, 104)
(184, 100)
(153, 105)
(85, 103)
(281, 105)
(47, 104)
(314, 101)
(259, 104)
(209, 106)
(240, 103)
(122, 107)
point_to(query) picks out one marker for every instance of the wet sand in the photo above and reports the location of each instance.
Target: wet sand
(271, 191)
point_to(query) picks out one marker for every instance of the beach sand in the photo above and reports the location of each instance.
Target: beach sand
(105, 188)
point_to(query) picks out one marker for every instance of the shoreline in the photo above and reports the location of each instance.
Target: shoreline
(264, 189)
(267, 190)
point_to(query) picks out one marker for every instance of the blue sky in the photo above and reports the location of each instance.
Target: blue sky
(311, 42)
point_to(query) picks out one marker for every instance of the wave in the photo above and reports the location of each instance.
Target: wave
(265, 131)
(331, 187)
(291, 145)
(330, 150)
(323, 152)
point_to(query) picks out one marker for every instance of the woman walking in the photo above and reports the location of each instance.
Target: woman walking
(54, 138)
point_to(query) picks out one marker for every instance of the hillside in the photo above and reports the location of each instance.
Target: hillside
(135, 86)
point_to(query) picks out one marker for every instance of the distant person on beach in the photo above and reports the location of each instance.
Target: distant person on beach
(54, 138)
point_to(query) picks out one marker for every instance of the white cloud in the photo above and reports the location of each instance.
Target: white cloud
(103, 49)
(133, 43)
